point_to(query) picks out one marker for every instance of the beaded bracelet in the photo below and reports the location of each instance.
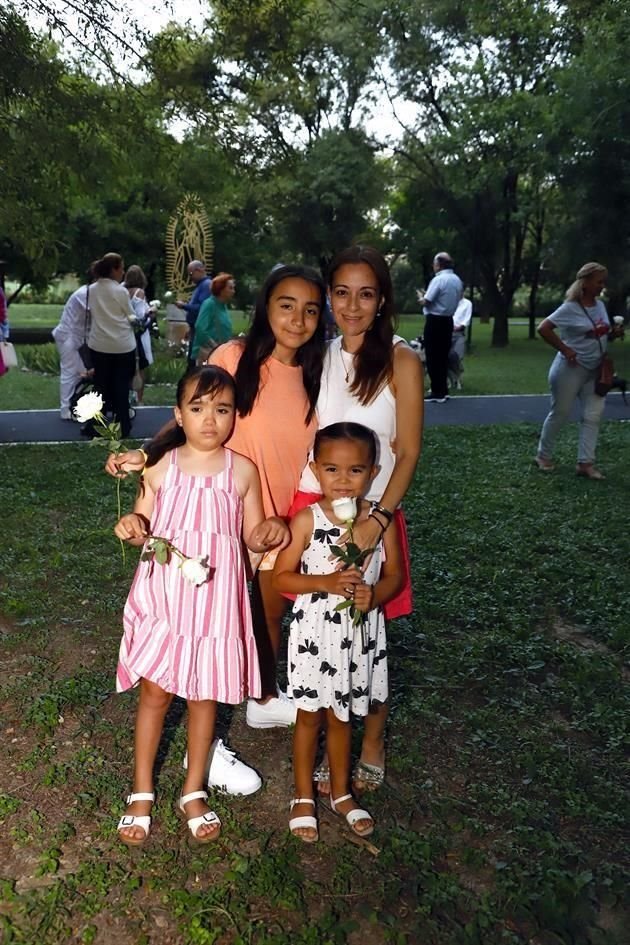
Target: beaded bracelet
(373, 513)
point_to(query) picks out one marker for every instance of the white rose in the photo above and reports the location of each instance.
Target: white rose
(195, 571)
(345, 509)
(168, 296)
(618, 319)
(155, 304)
(88, 407)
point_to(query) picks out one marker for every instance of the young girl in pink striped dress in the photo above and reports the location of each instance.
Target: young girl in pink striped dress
(188, 629)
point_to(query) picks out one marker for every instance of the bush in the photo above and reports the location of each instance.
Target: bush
(548, 299)
(166, 370)
(55, 293)
(406, 280)
(168, 367)
(43, 359)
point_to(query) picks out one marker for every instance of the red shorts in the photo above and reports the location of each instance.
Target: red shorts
(402, 604)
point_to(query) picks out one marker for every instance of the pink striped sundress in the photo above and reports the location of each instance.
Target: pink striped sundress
(194, 641)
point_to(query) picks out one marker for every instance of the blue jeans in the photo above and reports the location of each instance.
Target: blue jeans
(566, 384)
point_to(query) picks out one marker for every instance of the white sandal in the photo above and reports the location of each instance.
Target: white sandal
(194, 823)
(136, 820)
(353, 816)
(306, 821)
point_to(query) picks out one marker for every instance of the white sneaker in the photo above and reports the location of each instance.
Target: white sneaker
(227, 773)
(278, 711)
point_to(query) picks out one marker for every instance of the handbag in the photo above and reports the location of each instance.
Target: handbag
(605, 369)
(84, 352)
(9, 356)
(605, 376)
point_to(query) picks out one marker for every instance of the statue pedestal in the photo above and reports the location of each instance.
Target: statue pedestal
(176, 324)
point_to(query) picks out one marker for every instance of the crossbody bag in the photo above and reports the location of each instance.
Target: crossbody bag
(606, 369)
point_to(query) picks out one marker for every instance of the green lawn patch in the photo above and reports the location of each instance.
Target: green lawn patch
(521, 368)
(504, 814)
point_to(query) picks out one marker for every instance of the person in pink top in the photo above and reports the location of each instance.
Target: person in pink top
(277, 369)
(188, 628)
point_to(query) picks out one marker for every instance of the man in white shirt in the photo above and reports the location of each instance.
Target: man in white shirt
(461, 321)
(440, 302)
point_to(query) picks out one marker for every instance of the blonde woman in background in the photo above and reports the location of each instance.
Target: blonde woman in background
(579, 331)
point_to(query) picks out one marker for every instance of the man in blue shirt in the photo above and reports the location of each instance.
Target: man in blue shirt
(440, 301)
(198, 274)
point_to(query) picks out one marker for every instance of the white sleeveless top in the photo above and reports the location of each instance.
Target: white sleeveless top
(336, 404)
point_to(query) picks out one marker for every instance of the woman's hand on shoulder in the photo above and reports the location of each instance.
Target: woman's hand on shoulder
(119, 464)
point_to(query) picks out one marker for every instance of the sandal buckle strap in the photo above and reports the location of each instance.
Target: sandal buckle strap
(141, 796)
(301, 800)
(193, 796)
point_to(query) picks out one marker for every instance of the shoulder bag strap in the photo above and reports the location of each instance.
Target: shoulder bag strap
(601, 350)
(87, 316)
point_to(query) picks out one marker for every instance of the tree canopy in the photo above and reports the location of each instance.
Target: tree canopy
(281, 114)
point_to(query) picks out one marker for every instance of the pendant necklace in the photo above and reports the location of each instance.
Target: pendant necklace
(345, 369)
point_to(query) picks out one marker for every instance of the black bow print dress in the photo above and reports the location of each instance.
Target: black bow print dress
(331, 663)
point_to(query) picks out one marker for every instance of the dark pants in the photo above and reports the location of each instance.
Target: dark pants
(112, 379)
(438, 334)
(191, 338)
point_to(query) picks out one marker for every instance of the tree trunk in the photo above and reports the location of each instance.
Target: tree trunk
(533, 296)
(498, 305)
(14, 295)
(500, 333)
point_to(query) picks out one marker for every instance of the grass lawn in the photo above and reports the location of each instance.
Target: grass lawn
(504, 812)
(521, 368)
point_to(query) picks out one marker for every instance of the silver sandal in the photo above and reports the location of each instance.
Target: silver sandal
(372, 776)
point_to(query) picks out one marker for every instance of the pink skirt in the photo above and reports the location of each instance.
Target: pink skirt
(402, 604)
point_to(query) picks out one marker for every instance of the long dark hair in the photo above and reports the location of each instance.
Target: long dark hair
(205, 379)
(260, 342)
(374, 361)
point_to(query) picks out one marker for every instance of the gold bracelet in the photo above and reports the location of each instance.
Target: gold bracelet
(145, 457)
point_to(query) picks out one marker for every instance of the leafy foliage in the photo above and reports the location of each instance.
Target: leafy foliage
(503, 814)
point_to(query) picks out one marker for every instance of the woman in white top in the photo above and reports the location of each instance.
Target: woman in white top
(579, 331)
(372, 377)
(135, 284)
(111, 339)
(69, 335)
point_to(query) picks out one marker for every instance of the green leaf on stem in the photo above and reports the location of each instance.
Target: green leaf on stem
(344, 605)
(161, 552)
